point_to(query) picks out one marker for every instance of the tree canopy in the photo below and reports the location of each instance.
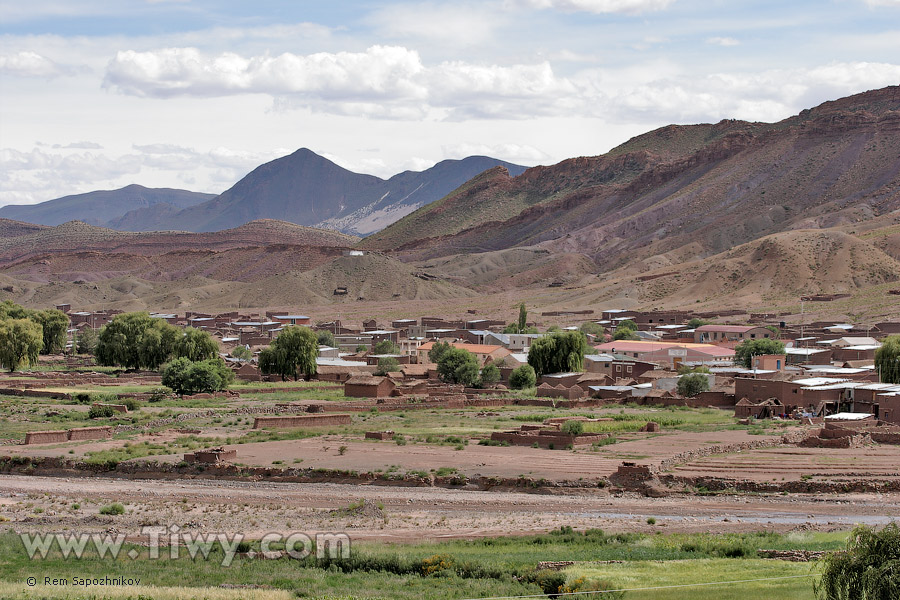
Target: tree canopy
(691, 384)
(293, 352)
(387, 364)
(196, 345)
(325, 338)
(887, 359)
(54, 324)
(21, 341)
(458, 365)
(490, 374)
(559, 352)
(185, 376)
(746, 350)
(136, 341)
(522, 377)
(438, 349)
(868, 570)
(386, 347)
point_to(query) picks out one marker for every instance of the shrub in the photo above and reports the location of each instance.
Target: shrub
(572, 427)
(187, 377)
(522, 377)
(101, 412)
(115, 508)
(692, 384)
(131, 404)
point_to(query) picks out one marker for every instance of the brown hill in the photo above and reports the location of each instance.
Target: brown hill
(679, 192)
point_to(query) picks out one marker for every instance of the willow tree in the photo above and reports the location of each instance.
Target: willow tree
(887, 360)
(196, 345)
(292, 353)
(868, 570)
(136, 341)
(21, 341)
(559, 352)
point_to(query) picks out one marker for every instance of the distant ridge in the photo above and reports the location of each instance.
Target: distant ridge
(308, 189)
(101, 207)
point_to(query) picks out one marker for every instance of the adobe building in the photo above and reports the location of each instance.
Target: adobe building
(715, 334)
(368, 386)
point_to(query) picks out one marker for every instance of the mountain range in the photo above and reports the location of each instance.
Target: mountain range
(302, 188)
(728, 215)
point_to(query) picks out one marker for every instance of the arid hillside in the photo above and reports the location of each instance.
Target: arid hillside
(677, 193)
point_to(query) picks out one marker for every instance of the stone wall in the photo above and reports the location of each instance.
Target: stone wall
(301, 421)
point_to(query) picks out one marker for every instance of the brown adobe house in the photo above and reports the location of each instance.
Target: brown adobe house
(716, 334)
(368, 386)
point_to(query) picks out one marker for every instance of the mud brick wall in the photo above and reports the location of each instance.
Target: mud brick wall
(208, 457)
(90, 433)
(301, 421)
(121, 408)
(885, 438)
(45, 437)
(379, 435)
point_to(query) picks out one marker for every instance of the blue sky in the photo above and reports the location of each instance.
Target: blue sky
(193, 94)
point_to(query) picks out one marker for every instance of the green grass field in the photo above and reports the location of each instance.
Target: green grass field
(481, 568)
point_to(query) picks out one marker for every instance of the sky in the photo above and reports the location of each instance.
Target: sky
(194, 94)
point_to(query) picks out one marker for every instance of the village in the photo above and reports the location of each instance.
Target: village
(826, 368)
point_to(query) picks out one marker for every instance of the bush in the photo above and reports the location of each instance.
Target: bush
(522, 377)
(101, 412)
(572, 427)
(186, 377)
(131, 404)
(692, 384)
(115, 508)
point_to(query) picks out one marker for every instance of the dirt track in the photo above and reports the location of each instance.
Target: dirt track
(410, 514)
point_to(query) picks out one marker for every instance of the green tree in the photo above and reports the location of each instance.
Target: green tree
(692, 384)
(11, 310)
(361, 348)
(136, 341)
(523, 318)
(386, 347)
(592, 328)
(55, 326)
(868, 570)
(490, 374)
(559, 352)
(887, 360)
(627, 323)
(387, 364)
(293, 351)
(325, 338)
(185, 376)
(697, 322)
(438, 349)
(522, 377)
(458, 365)
(746, 350)
(242, 353)
(21, 341)
(624, 333)
(196, 345)
(86, 341)
(514, 328)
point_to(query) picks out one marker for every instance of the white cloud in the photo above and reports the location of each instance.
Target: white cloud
(628, 7)
(79, 146)
(382, 82)
(515, 153)
(30, 64)
(458, 23)
(877, 3)
(723, 41)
